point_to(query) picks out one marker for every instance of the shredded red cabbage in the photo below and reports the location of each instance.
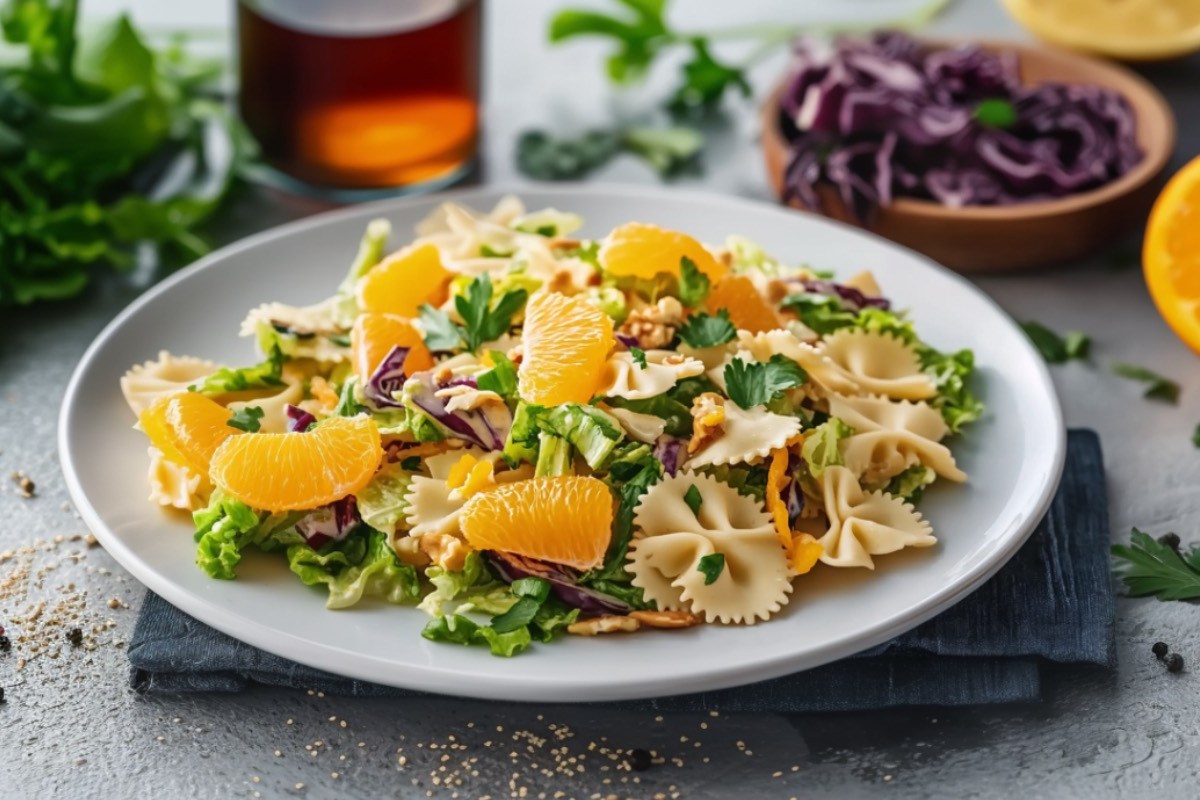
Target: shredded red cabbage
(564, 583)
(486, 426)
(850, 298)
(330, 523)
(668, 451)
(299, 420)
(882, 117)
(387, 379)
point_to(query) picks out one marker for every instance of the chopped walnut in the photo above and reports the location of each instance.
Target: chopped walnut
(466, 398)
(667, 619)
(446, 550)
(708, 421)
(408, 550)
(562, 282)
(516, 355)
(654, 326)
(777, 290)
(597, 625)
(564, 243)
(725, 256)
(674, 360)
(443, 375)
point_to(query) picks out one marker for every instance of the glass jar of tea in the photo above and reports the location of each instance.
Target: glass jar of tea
(358, 97)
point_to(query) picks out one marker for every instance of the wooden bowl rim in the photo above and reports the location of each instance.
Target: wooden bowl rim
(1153, 161)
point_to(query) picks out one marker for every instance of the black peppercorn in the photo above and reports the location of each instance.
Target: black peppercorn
(1160, 650)
(639, 759)
(75, 637)
(2, 697)
(5, 644)
(1171, 540)
(1174, 663)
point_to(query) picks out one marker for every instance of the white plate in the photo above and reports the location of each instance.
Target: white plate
(1014, 458)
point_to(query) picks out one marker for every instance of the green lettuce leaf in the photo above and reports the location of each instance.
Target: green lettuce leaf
(822, 445)
(554, 456)
(471, 588)
(677, 415)
(226, 527)
(590, 431)
(911, 483)
(458, 629)
(361, 565)
(501, 378)
(382, 503)
(258, 376)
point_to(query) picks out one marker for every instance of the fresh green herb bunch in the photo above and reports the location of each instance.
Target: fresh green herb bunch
(105, 143)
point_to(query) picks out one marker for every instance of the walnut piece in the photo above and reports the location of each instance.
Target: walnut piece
(654, 326)
(667, 619)
(446, 550)
(597, 625)
(708, 421)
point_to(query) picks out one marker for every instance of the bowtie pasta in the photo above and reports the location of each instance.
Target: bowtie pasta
(523, 432)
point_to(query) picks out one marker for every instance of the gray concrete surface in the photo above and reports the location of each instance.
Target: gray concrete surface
(71, 727)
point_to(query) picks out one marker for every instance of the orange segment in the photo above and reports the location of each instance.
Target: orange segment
(804, 553)
(404, 282)
(373, 337)
(748, 310)
(292, 471)
(566, 341)
(1128, 29)
(639, 250)
(564, 520)
(187, 427)
(1171, 254)
(776, 480)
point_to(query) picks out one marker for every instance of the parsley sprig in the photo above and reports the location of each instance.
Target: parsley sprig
(756, 383)
(246, 419)
(1057, 349)
(483, 320)
(1158, 387)
(1152, 568)
(708, 330)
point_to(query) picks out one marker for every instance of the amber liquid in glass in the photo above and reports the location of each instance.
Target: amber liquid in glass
(364, 108)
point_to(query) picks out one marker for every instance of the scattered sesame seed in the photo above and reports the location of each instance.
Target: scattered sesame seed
(335, 775)
(279, 754)
(299, 786)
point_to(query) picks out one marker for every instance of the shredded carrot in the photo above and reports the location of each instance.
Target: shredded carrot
(804, 553)
(776, 479)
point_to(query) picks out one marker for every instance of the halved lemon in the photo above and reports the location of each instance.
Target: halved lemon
(1138, 30)
(1171, 254)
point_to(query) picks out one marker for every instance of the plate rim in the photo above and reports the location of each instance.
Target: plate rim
(514, 686)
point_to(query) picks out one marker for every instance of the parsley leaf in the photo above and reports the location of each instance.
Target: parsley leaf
(411, 464)
(348, 405)
(995, 112)
(237, 380)
(639, 356)
(751, 383)
(693, 284)
(1196, 437)
(1157, 386)
(246, 419)
(705, 81)
(712, 565)
(1151, 567)
(707, 330)
(693, 499)
(820, 313)
(481, 322)
(441, 334)
(1054, 348)
(669, 150)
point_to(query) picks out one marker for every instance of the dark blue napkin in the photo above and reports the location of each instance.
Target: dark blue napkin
(1052, 602)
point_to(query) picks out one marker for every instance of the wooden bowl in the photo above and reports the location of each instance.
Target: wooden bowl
(1025, 235)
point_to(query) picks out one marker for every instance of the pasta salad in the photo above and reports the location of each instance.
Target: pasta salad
(525, 433)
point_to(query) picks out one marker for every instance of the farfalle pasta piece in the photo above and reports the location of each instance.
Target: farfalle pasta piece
(821, 369)
(879, 363)
(864, 524)
(642, 427)
(891, 436)
(670, 540)
(317, 320)
(168, 374)
(623, 377)
(747, 436)
(274, 406)
(433, 505)
(176, 485)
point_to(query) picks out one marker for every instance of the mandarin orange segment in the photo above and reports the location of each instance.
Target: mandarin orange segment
(748, 310)
(293, 471)
(373, 337)
(564, 520)
(1171, 254)
(566, 343)
(404, 282)
(639, 250)
(187, 427)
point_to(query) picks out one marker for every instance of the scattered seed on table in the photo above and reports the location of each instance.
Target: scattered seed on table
(75, 637)
(1160, 650)
(1174, 663)
(5, 644)
(639, 759)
